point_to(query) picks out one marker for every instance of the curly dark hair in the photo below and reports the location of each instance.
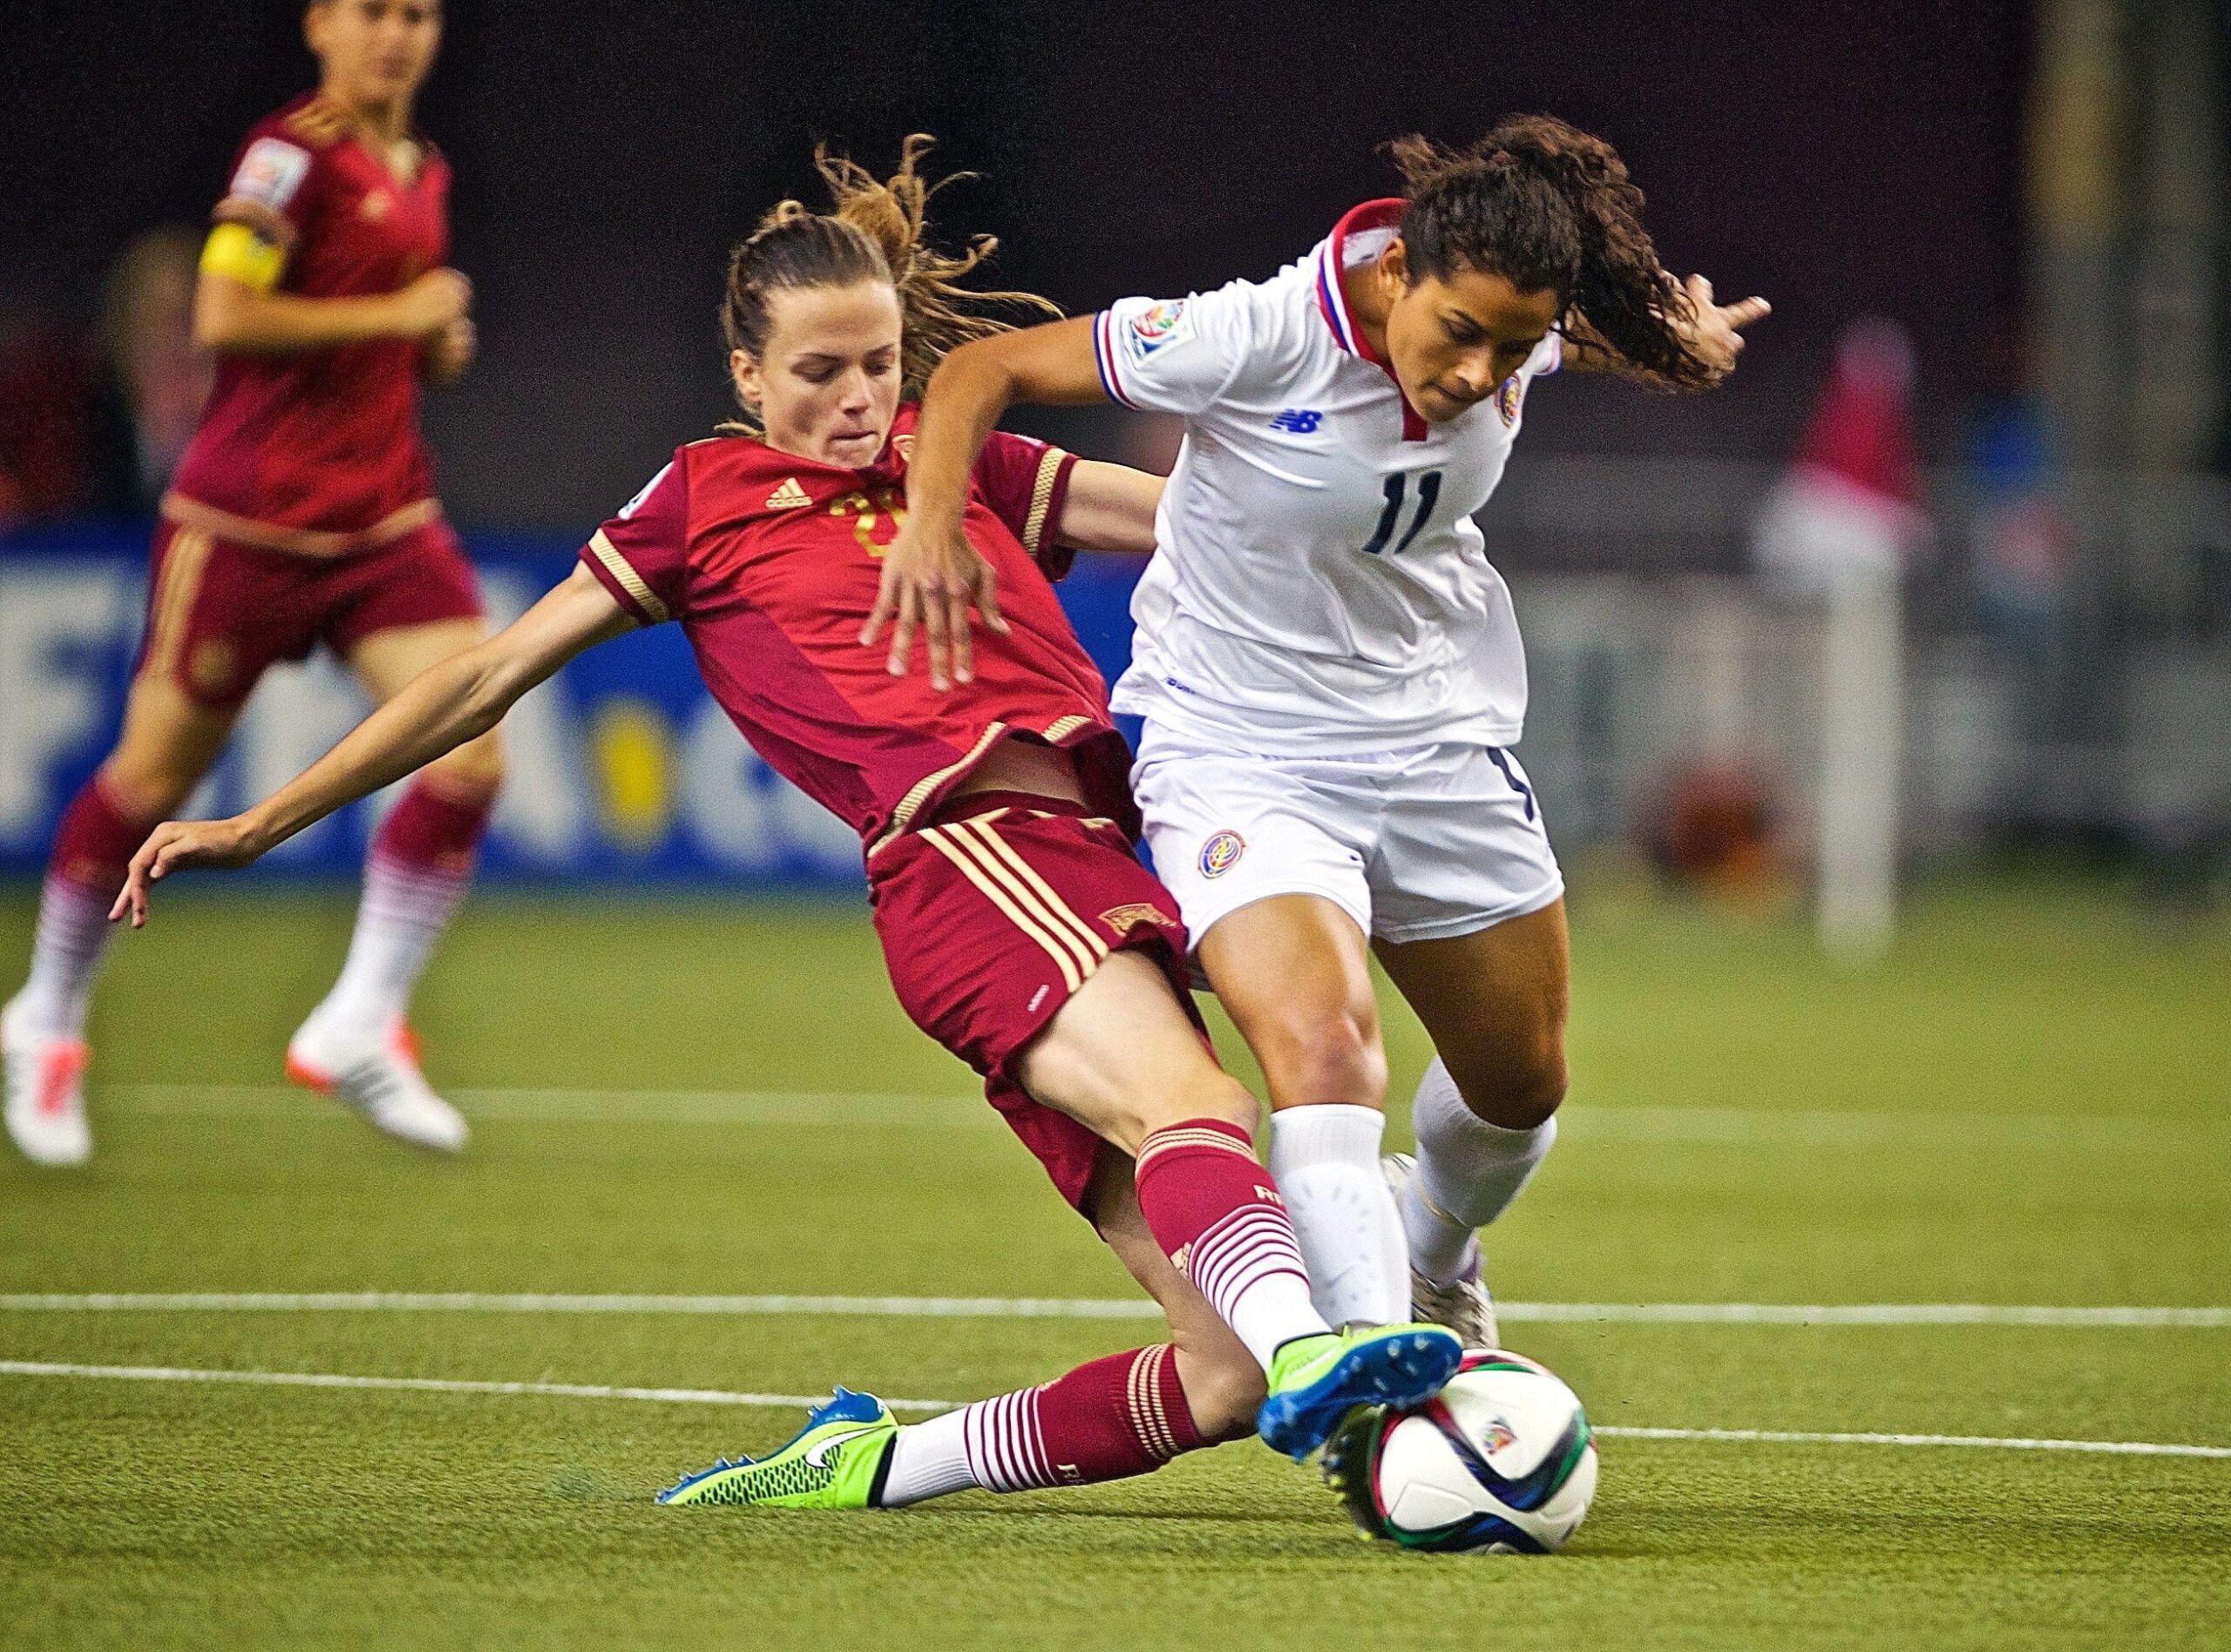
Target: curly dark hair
(1548, 208)
(877, 231)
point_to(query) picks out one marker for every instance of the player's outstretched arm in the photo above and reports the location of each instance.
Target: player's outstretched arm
(932, 575)
(442, 707)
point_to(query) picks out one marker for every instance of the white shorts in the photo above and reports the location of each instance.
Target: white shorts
(1416, 844)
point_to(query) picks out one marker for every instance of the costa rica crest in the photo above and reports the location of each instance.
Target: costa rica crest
(1221, 853)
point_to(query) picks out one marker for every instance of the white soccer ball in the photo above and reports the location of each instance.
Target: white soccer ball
(1501, 1459)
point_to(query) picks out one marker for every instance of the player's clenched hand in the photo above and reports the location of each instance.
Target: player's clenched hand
(931, 579)
(1714, 332)
(431, 302)
(175, 845)
(449, 351)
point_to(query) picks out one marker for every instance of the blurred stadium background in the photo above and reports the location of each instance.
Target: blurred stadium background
(2021, 207)
(1928, 613)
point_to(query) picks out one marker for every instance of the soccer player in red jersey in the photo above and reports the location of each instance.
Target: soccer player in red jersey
(1019, 928)
(303, 512)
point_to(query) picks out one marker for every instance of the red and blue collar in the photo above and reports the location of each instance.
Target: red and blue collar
(1333, 295)
(1332, 259)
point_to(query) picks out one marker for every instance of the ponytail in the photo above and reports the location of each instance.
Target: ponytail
(876, 231)
(1548, 208)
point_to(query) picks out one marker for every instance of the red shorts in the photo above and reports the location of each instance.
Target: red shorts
(220, 614)
(992, 917)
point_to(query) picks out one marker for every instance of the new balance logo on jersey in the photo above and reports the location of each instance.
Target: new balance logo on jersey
(788, 497)
(1298, 421)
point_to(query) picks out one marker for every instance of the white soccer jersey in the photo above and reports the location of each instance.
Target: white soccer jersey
(1319, 584)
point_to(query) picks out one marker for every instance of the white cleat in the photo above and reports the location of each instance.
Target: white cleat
(1461, 1304)
(47, 1093)
(377, 1074)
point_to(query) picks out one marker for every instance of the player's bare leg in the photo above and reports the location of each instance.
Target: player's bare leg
(356, 1043)
(1493, 1003)
(167, 745)
(1312, 1020)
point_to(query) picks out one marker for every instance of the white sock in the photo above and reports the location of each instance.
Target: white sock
(73, 931)
(1468, 1172)
(1272, 1312)
(1325, 1160)
(403, 911)
(929, 1460)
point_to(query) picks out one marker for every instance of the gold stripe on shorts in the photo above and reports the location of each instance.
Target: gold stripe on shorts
(184, 560)
(981, 825)
(934, 836)
(1047, 917)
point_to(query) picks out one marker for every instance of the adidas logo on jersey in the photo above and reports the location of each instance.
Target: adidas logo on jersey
(788, 497)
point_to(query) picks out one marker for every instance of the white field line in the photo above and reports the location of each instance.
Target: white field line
(1643, 1313)
(433, 1385)
(1813, 1128)
(718, 1397)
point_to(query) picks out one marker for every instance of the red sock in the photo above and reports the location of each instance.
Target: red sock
(435, 830)
(1115, 1418)
(420, 864)
(1214, 1208)
(94, 843)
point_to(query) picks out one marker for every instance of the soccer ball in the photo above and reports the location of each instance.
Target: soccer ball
(1501, 1459)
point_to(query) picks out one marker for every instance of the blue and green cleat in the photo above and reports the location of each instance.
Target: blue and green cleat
(837, 1461)
(1317, 1381)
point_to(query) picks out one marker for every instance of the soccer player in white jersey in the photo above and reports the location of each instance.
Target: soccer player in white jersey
(1328, 667)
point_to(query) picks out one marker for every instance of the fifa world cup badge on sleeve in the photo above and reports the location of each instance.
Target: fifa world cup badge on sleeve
(1507, 398)
(271, 172)
(1221, 853)
(1156, 325)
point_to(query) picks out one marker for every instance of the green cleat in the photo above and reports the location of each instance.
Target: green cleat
(838, 1461)
(1317, 1381)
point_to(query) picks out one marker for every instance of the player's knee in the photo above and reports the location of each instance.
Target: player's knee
(1315, 1057)
(1223, 1392)
(1517, 1086)
(1213, 1093)
(145, 786)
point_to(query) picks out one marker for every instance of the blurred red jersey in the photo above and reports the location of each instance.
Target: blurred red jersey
(319, 451)
(771, 563)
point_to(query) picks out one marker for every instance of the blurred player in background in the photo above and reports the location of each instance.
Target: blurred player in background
(1329, 670)
(1019, 928)
(302, 512)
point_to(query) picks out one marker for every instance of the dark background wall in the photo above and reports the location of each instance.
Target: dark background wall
(608, 154)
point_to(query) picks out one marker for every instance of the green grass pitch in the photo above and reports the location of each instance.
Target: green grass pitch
(2029, 1103)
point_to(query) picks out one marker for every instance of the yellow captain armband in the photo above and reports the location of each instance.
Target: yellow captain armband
(239, 253)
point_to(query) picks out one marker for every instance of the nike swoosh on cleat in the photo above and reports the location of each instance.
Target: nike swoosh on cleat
(817, 1454)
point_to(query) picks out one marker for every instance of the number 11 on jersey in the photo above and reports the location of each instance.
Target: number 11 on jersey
(1397, 488)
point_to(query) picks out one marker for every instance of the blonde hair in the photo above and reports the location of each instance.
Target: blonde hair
(876, 231)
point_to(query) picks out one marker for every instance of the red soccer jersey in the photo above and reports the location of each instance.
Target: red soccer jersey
(319, 451)
(771, 562)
